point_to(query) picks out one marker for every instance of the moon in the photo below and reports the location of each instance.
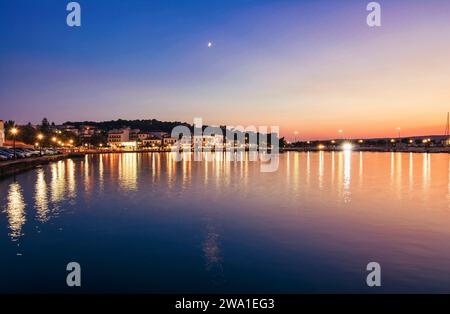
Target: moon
(210, 44)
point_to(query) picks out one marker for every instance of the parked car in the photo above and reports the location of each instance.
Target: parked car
(24, 152)
(7, 153)
(11, 151)
(33, 152)
(51, 152)
(3, 158)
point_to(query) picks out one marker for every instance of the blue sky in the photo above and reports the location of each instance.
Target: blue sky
(296, 64)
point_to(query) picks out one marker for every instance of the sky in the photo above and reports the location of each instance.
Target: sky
(308, 66)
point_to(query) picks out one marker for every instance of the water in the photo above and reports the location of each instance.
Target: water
(146, 223)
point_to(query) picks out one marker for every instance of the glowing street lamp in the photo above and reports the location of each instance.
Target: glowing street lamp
(40, 137)
(347, 146)
(14, 132)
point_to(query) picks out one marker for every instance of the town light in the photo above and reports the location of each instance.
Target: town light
(14, 132)
(392, 141)
(54, 139)
(360, 141)
(320, 146)
(40, 136)
(71, 141)
(347, 146)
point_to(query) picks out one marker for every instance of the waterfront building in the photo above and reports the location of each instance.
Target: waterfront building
(151, 142)
(87, 131)
(119, 136)
(186, 141)
(132, 145)
(134, 134)
(143, 136)
(69, 128)
(169, 141)
(157, 134)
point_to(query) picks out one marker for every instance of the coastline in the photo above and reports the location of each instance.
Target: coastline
(418, 150)
(13, 167)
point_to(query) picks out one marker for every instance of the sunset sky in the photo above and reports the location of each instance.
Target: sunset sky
(310, 66)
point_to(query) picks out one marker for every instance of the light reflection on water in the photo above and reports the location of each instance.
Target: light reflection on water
(15, 210)
(312, 225)
(41, 199)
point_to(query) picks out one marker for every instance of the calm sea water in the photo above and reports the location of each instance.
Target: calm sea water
(146, 223)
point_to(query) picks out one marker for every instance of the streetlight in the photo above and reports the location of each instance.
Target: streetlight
(40, 137)
(14, 132)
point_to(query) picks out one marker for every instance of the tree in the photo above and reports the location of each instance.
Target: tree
(27, 134)
(45, 127)
(283, 142)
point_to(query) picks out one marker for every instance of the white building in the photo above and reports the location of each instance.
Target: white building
(69, 128)
(151, 142)
(2, 132)
(214, 140)
(116, 138)
(169, 141)
(143, 136)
